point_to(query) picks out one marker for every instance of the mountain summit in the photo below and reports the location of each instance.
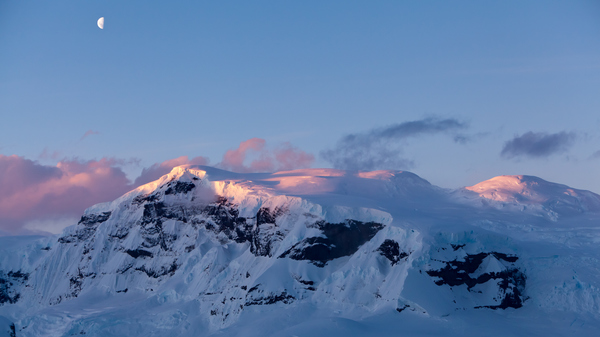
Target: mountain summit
(203, 251)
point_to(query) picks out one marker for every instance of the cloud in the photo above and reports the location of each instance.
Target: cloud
(263, 159)
(36, 197)
(381, 148)
(30, 191)
(159, 169)
(89, 133)
(595, 155)
(538, 144)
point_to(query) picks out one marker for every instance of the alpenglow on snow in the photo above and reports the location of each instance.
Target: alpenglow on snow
(318, 252)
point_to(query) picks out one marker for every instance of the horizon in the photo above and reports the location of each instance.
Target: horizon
(525, 189)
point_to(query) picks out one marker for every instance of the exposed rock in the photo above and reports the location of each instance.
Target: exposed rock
(179, 187)
(224, 218)
(337, 240)
(135, 253)
(9, 284)
(86, 227)
(255, 299)
(168, 270)
(511, 281)
(266, 234)
(94, 219)
(391, 250)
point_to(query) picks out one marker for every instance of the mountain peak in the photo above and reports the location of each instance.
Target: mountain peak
(535, 191)
(520, 188)
(205, 251)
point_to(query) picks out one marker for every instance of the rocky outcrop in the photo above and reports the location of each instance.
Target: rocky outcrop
(336, 240)
(486, 268)
(9, 286)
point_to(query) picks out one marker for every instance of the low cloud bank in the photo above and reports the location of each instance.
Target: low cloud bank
(36, 197)
(31, 191)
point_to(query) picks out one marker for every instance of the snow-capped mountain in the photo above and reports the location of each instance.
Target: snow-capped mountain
(203, 251)
(534, 194)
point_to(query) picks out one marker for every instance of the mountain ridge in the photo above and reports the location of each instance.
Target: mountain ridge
(219, 247)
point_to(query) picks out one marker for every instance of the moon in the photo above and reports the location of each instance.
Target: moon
(101, 23)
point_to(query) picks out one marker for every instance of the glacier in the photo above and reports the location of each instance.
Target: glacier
(319, 252)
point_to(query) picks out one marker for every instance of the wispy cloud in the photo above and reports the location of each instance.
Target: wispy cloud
(253, 155)
(89, 133)
(538, 144)
(595, 155)
(381, 148)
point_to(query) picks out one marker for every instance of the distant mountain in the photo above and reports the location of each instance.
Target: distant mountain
(203, 251)
(528, 192)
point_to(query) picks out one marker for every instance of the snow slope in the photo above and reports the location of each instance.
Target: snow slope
(535, 195)
(203, 251)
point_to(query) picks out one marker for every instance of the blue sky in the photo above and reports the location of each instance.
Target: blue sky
(197, 78)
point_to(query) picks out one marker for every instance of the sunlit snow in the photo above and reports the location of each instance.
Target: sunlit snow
(314, 252)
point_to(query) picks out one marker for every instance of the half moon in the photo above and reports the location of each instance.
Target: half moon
(101, 23)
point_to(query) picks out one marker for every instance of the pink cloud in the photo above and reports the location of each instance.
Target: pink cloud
(45, 195)
(284, 157)
(289, 157)
(234, 159)
(30, 191)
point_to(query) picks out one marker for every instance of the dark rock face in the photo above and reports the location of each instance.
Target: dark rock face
(310, 284)
(164, 270)
(337, 240)
(179, 187)
(391, 250)
(266, 234)
(87, 224)
(76, 282)
(224, 218)
(511, 281)
(218, 217)
(8, 284)
(270, 299)
(94, 219)
(265, 216)
(156, 212)
(257, 296)
(135, 253)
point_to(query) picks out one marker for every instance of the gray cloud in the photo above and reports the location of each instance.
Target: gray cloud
(381, 148)
(538, 144)
(595, 155)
